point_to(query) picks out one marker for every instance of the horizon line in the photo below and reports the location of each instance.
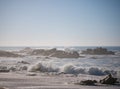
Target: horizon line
(66, 46)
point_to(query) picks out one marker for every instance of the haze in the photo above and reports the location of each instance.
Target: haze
(59, 22)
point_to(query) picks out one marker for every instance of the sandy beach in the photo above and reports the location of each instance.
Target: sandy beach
(43, 72)
(43, 81)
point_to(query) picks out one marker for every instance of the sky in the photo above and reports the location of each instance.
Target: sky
(59, 22)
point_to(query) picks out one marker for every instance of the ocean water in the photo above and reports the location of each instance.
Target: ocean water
(90, 64)
(111, 48)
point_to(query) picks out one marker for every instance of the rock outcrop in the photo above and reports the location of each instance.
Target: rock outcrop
(109, 80)
(55, 53)
(88, 82)
(8, 54)
(4, 69)
(26, 50)
(98, 51)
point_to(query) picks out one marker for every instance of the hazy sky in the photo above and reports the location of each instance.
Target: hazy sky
(59, 22)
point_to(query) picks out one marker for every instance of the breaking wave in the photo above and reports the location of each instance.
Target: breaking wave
(42, 67)
(66, 69)
(69, 69)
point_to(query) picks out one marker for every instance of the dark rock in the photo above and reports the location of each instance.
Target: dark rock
(88, 82)
(39, 52)
(23, 62)
(8, 54)
(63, 54)
(109, 80)
(26, 50)
(94, 81)
(55, 53)
(12, 69)
(98, 51)
(47, 57)
(23, 68)
(4, 69)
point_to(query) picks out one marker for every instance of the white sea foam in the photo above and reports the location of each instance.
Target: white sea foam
(42, 67)
(69, 69)
(72, 69)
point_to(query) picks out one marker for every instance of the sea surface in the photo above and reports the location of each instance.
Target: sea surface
(89, 64)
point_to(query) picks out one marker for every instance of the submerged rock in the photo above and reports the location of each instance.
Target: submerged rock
(109, 80)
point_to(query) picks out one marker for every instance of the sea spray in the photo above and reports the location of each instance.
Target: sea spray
(71, 69)
(68, 69)
(43, 67)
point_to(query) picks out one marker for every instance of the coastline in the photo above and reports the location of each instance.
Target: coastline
(56, 73)
(21, 81)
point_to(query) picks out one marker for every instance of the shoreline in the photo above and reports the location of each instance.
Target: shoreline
(14, 80)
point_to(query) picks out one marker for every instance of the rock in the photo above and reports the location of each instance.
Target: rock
(98, 51)
(26, 50)
(55, 53)
(12, 68)
(88, 82)
(63, 54)
(23, 68)
(109, 80)
(8, 54)
(23, 62)
(4, 69)
(94, 57)
(47, 57)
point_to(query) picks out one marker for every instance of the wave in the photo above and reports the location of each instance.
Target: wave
(48, 66)
(69, 69)
(42, 67)
(97, 71)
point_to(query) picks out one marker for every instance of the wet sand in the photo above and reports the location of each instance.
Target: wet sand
(13, 80)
